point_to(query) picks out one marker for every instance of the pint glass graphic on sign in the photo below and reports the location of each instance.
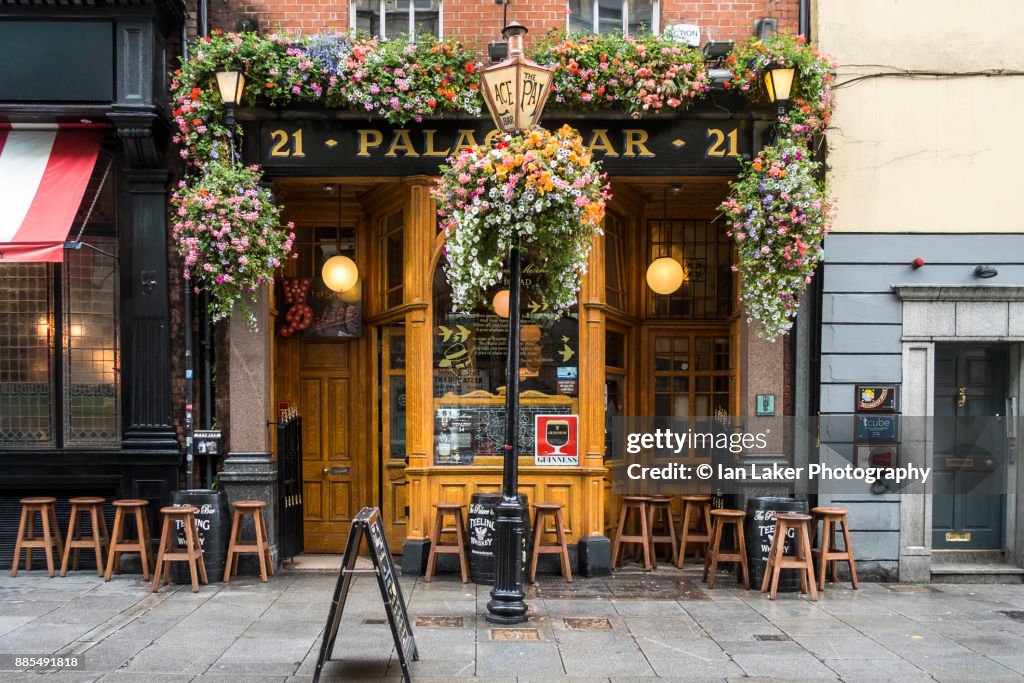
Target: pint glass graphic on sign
(556, 438)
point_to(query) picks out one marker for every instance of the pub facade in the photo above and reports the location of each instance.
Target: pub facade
(402, 399)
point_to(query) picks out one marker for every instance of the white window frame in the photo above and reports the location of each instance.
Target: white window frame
(410, 25)
(594, 20)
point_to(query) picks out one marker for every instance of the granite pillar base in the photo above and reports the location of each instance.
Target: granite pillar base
(253, 476)
(594, 556)
(414, 557)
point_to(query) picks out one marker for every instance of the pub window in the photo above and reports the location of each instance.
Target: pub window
(306, 306)
(393, 262)
(59, 355)
(614, 268)
(615, 377)
(469, 374)
(704, 251)
(630, 17)
(393, 18)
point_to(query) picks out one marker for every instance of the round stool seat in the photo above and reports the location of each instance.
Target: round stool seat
(732, 514)
(635, 499)
(249, 504)
(179, 510)
(87, 500)
(696, 498)
(659, 499)
(41, 500)
(828, 511)
(130, 503)
(548, 506)
(790, 517)
(449, 506)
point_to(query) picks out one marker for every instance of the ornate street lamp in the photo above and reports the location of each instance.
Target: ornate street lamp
(779, 81)
(231, 83)
(515, 90)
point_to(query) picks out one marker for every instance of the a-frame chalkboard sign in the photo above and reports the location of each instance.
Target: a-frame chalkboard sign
(367, 524)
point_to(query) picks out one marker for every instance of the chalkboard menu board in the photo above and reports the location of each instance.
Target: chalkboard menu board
(480, 430)
(367, 524)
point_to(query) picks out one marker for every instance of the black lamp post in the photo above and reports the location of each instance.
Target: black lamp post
(515, 90)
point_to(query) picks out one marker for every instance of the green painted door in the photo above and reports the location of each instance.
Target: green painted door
(969, 465)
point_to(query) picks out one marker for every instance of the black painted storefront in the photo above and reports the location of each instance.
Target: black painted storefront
(106, 62)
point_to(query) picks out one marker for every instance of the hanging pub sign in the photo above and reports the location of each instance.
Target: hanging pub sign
(876, 398)
(310, 309)
(661, 146)
(367, 524)
(557, 440)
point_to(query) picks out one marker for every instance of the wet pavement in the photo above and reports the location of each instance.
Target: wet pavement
(633, 627)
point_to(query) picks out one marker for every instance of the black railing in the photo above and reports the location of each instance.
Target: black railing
(289, 473)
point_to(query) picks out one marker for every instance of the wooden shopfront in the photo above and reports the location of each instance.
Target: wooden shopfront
(402, 399)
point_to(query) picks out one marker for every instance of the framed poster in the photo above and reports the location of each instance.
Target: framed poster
(557, 441)
(312, 310)
(876, 398)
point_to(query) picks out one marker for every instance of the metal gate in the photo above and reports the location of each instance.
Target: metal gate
(289, 479)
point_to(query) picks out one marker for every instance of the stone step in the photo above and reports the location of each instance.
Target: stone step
(980, 572)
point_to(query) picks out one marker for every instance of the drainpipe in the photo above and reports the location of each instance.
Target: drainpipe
(202, 18)
(804, 19)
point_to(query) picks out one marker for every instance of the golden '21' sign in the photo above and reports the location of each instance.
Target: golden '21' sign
(657, 147)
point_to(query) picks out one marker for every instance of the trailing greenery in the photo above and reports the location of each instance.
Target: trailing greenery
(402, 81)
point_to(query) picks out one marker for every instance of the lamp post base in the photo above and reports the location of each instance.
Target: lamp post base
(506, 606)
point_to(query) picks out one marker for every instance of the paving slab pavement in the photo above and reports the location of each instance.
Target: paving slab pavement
(664, 626)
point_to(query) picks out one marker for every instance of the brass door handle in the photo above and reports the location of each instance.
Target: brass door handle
(326, 470)
(961, 398)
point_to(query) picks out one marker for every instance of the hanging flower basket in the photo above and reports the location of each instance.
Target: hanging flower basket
(540, 191)
(227, 230)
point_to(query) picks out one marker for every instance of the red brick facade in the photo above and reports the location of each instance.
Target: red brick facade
(477, 21)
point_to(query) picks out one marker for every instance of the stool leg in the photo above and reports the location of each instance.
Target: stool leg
(55, 525)
(707, 554)
(823, 548)
(231, 547)
(266, 544)
(142, 527)
(460, 535)
(808, 560)
(713, 553)
(67, 546)
(538, 519)
(849, 555)
(200, 559)
(190, 550)
(645, 534)
(113, 554)
(257, 520)
(17, 544)
(564, 555)
(47, 539)
(835, 546)
(165, 536)
(617, 545)
(684, 535)
(79, 534)
(667, 512)
(706, 507)
(95, 514)
(435, 538)
(743, 556)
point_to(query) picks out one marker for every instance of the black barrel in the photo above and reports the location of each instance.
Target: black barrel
(213, 522)
(760, 526)
(481, 535)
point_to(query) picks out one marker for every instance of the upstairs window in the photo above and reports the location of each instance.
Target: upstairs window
(393, 18)
(631, 17)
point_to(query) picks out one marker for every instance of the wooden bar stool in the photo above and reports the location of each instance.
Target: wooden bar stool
(639, 504)
(97, 541)
(27, 539)
(700, 506)
(542, 510)
(134, 508)
(457, 548)
(662, 527)
(720, 518)
(827, 551)
(236, 546)
(778, 560)
(185, 516)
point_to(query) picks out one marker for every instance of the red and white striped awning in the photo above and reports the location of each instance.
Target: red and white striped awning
(44, 170)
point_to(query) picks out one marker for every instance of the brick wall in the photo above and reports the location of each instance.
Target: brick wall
(476, 21)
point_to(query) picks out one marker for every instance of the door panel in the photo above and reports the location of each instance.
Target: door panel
(395, 492)
(969, 462)
(332, 466)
